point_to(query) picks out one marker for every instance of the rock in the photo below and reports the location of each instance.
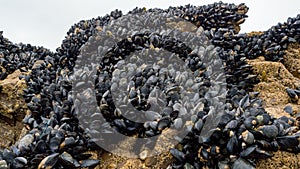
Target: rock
(12, 105)
(274, 72)
(8, 134)
(275, 77)
(283, 160)
(150, 161)
(12, 108)
(292, 59)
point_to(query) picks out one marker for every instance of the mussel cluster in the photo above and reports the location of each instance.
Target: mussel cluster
(57, 136)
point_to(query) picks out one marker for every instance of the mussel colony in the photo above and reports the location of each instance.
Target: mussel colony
(245, 133)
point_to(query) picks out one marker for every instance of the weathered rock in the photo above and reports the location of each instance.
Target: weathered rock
(12, 104)
(274, 72)
(283, 160)
(12, 108)
(275, 78)
(292, 59)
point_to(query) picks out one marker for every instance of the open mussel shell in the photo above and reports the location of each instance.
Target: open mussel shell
(19, 162)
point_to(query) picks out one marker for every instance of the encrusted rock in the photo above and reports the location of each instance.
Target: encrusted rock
(292, 59)
(12, 104)
(12, 108)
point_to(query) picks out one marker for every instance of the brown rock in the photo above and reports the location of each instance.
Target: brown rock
(282, 160)
(150, 161)
(12, 108)
(275, 78)
(254, 33)
(12, 104)
(292, 59)
(274, 72)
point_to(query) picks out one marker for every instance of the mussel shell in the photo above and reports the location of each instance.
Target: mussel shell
(288, 143)
(49, 161)
(250, 122)
(19, 162)
(242, 164)
(68, 161)
(90, 163)
(269, 131)
(180, 156)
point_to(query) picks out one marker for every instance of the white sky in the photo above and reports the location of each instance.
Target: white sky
(45, 22)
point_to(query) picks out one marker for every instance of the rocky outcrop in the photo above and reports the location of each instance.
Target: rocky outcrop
(275, 77)
(12, 108)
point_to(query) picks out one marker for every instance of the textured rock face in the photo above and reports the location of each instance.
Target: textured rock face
(275, 78)
(12, 108)
(292, 59)
(11, 103)
(282, 160)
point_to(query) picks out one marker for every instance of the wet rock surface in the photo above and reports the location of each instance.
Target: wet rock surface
(259, 115)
